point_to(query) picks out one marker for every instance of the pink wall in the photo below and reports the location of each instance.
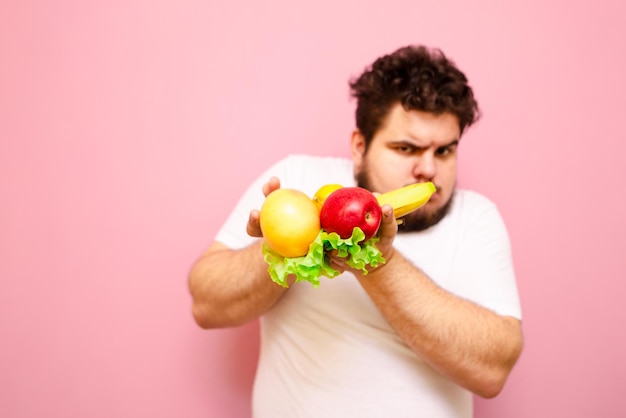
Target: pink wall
(128, 129)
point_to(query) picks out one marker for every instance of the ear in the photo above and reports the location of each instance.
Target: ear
(357, 145)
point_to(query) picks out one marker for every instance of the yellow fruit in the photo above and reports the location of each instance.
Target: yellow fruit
(322, 193)
(289, 221)
(408, 198)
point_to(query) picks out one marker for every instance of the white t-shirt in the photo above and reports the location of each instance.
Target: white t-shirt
(328, 352)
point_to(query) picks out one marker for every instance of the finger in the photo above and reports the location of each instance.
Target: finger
(337, 266)
(271, 185)
(254, 226)
(338, 263)
(388, 226)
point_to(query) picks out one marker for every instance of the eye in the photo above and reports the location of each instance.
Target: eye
(447, 150)
(405, 149)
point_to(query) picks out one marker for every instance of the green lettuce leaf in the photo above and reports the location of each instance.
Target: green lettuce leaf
(316, 262)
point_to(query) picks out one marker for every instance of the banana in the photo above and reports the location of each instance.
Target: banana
(408, 198)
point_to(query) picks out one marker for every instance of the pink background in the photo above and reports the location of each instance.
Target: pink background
(129, 129)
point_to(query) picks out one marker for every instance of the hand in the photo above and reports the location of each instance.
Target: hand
(386, 233)
(254, 227)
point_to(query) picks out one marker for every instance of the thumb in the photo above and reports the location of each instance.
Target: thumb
(388, 226)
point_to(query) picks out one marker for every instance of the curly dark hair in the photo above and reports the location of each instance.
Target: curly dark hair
(420, 79)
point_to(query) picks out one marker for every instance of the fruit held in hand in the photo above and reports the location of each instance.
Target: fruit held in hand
(350, 207)
(408, 198)
(289, 221)
(322, 193)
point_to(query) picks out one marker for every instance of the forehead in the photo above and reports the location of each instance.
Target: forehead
(421, 127)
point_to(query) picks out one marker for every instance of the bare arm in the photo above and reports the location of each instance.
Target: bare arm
(231, 287)
(469, 344)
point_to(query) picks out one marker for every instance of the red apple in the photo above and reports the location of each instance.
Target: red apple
(349, 207)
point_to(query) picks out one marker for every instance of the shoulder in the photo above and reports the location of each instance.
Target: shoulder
(472, 200)
(470, 206)
(293, 164)
(309, 172)
(315, 161)
(474, 211)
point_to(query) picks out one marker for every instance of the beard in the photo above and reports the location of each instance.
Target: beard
(417, 220)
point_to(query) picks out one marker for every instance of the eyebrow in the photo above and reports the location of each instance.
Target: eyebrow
(411, 143)
(450, 144)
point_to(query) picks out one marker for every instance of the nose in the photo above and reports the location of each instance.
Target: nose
(424, 168)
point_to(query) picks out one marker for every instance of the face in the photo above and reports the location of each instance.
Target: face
(411, 146)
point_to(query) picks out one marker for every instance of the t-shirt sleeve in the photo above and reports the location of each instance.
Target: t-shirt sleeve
(233, 232)
(301, 172)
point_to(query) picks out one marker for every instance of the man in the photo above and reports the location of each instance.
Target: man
(415, 337)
